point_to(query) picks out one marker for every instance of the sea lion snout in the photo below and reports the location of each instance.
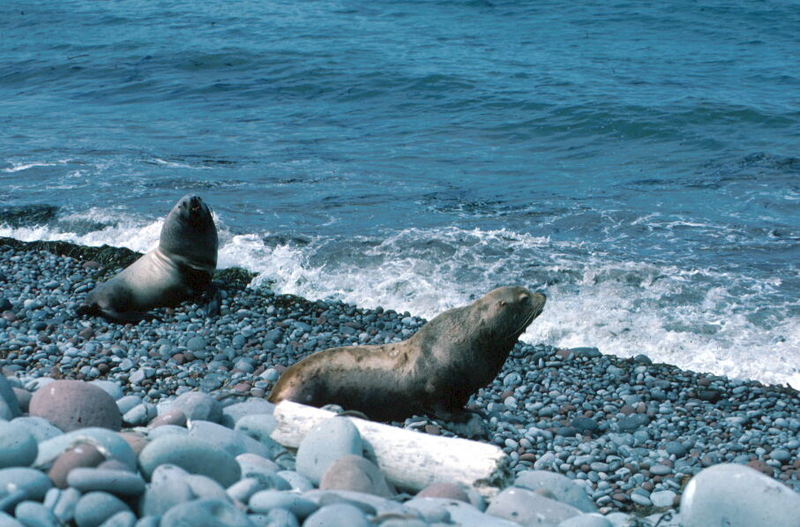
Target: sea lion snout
(192, 202)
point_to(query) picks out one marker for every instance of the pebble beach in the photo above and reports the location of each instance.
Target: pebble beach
(166, 422)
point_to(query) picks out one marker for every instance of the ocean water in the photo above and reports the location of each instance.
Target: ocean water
(637, 161)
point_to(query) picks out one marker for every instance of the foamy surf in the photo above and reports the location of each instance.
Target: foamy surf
(697, 319)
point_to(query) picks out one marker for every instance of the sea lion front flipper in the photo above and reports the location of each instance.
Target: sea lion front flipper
(124, 317)
(213, 300)
(468, 424)
(88, 309)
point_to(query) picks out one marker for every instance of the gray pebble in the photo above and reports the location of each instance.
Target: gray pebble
(205, 513)
(7, 520)
(337, 515)
(96, 507)
(780, 454)
(34, 514)
(357, 474)
(586, 520)
(9, 406)
(663, 498)
(297, 481)
(139, 415)
(205, 487)
(18, 484)
(231, 441)
(527, 507)
(254, 407)
(193, 455)
(40, 428)
(324, 444)
(112, 388)
(168, 487)
(62, 503)
(18, 447)
(198, 405)
(561, 487)
(266, 500)
(120, 519)
(278, 518)
(119, 482)
(128, 403)
(729, 494)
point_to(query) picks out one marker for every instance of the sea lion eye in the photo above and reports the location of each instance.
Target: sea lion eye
(524, 297)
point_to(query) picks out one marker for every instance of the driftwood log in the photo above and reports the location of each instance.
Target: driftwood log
(410, 460)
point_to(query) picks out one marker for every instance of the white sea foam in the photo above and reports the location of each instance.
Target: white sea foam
(694, 318)
(20, 166)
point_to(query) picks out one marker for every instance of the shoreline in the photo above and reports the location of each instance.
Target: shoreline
(628, 431)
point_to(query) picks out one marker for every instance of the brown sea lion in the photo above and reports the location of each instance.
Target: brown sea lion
(435, 371)
(180, 268)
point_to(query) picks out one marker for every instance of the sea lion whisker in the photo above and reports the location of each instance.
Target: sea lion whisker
(521, 328)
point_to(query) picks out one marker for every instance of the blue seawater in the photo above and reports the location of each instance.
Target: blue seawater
(638, 161)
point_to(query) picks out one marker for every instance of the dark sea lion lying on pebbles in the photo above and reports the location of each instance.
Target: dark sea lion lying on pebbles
(435, 371)
(180, 268)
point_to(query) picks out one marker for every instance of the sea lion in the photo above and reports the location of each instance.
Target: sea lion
(434, 371)
(180, 268)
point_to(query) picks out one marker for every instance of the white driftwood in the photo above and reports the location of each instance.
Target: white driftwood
(411, 460)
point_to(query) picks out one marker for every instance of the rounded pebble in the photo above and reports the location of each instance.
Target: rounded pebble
(266, 500)
(118, 482)
(324, 444)
(96, 507)
(205, 513)
(81, 455)
(737, 496)
(198, 405)
(193, 455)
(71, 405)
(34, 514)
(18, 447)
(338, 515)
(357, 474)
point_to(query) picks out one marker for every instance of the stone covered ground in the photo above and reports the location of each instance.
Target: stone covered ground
(601, 439)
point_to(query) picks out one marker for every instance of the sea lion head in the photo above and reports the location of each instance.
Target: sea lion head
(189, 232)
(507, 311)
